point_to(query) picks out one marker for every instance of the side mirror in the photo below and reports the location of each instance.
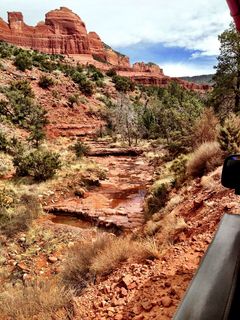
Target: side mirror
(231, 173)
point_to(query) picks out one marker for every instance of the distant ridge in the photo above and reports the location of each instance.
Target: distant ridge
(202, 79)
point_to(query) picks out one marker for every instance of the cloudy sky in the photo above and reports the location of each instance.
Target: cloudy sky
(179, 35)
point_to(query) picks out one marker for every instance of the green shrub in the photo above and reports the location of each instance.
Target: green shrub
(229, 135)
(4, 143)
(205, 159)
(45, 82)
(111, 73)
(39, 164)
(23, 61)
(123, 84)
(85, 85)
(23, 87)
(157, 199)
(80, 149)
(179, 168)
(73, 99)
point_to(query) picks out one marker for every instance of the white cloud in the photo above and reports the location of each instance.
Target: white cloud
(181, 69)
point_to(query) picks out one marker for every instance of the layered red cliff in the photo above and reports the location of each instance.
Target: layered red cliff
(63, 32)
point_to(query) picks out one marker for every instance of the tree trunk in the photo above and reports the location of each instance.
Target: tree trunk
(237, 93)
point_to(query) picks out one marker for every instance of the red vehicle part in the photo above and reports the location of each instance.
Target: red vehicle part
(234, 6)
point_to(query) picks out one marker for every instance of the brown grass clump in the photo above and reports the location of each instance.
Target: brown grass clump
(205, 159)
(169, 226)
(89, 260)
(17, 213)
(40, 301)
(205, 128)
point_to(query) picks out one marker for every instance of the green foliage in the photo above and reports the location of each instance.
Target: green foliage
(6, 50)
(39, 164)
(84, 84)
(80, 149)
(45, 82)
(123, 84)
(23, 61)
(73, 99)
(4, 143)
(21, 109)
(23, 87)
(179, 168)
(94, 73)
(226, 93)
(229, 135)
(157, 199)
(111, 73)
(170, 114)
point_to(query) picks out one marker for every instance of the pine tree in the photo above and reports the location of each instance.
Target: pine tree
(226, 92)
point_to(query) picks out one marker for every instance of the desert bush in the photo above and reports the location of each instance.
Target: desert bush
(178, 168)
(157, 198)
(17, 212)
(205, 128)
(87, 260)
(73, 99)
(39, 164)
(45, 82)
(85, 85)
(21, 109)
(80, 149)
(23, 61)
(40, 300)
(123, 84)
(22, 86)
(6, 164)
(205, 159)
(229, 135)
(4, 143)
(111, 73)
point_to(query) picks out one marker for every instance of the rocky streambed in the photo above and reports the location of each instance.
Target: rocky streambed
(118, 201)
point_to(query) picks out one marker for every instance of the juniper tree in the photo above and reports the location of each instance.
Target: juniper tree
(226, 92)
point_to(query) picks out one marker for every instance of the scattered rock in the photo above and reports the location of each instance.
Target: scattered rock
(52, 259)
(166, 302)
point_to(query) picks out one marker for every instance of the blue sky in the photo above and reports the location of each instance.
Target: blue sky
(179, 35)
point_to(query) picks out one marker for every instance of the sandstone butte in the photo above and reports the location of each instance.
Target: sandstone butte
(63, 32)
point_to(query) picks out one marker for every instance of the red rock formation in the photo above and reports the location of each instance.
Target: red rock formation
(147, 67)
(63, 32)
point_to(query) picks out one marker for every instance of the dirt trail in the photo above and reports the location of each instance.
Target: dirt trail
(118, 201)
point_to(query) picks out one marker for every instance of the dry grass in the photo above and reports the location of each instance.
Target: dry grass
(207, 182)
(205, 129)
(169, 226)
(205, 159)
(88, 260)
(17, 212)
(40, 301)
